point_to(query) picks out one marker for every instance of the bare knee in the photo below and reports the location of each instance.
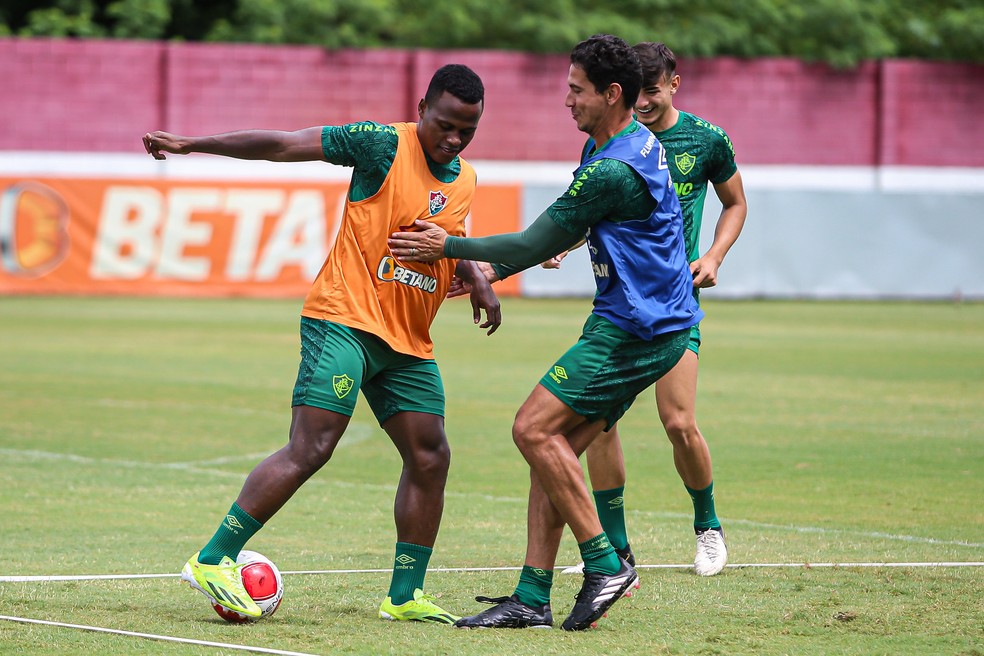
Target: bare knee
(310, 454)
(429, 458)
(681, 429)
(525, 435)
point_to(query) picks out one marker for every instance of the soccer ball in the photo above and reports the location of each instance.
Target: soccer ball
(262, 581)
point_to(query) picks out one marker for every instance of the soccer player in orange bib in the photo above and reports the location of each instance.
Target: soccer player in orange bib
(365, 325)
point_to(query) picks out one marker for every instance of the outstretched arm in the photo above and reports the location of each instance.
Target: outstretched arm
(543, 239)
(732, 196)
(274, 145)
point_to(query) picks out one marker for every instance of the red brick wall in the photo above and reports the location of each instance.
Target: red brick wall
(101, 96)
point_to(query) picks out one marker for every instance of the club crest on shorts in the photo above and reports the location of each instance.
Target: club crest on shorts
(342, 385)
(437, 202)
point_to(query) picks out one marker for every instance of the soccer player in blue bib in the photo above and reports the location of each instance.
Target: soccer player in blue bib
(623, 201)
(699, 155)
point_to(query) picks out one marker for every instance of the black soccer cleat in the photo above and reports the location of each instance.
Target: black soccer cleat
(598, 593)
(508, 613)
(626, 554)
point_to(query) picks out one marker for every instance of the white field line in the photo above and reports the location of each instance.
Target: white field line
(116, 577)
(363, 432)
(152, 636)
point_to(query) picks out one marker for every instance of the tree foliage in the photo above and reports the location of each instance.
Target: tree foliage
(838, 32)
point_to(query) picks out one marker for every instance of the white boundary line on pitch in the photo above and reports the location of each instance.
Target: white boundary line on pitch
(153, 636)
(805, 565)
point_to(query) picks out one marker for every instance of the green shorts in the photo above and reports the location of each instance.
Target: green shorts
(694, 344)
(337, 361)
(601, 375)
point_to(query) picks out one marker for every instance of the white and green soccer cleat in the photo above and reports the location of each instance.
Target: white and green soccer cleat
(419, 609)
(221, 583)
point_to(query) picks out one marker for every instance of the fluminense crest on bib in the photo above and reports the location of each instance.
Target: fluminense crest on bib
(685, 162)
(437, 202)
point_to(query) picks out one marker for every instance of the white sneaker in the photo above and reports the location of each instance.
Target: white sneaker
(712, 552)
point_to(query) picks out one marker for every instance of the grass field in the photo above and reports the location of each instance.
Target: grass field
(842, 433)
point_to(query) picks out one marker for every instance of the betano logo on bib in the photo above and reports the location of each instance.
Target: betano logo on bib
(389, 271)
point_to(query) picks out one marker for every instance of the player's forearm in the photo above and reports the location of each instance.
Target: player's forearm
(244, 144)
(543, 239)
(469, 272)
(726, 232)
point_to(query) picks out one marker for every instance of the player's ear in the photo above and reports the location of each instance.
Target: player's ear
(421, 108)
(613, 93)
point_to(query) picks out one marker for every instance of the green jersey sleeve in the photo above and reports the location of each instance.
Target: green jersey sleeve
(722, 155)
(368, 147)
(603, 190)
(543, 239)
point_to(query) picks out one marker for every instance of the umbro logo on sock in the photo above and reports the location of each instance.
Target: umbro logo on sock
(405, 561)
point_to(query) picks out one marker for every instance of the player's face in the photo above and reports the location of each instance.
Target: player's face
(447, 126)
(588, 106)
(655, 99)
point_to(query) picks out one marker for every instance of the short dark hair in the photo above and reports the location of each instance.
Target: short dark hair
(606, 60)
(658, 62)
(458, 80)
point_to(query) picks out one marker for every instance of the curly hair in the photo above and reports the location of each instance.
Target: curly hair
(658, 62)
(458, 80)
(606, 60)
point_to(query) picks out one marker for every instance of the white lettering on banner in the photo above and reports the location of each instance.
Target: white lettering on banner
(298, 237)
(251, 206)
(126, 246)
(143, 232)
(182, 232)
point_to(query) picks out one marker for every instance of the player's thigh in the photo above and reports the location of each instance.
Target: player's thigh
(676, 391)
(545, 414)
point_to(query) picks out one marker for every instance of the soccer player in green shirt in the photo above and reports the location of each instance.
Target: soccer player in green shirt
(698, 153)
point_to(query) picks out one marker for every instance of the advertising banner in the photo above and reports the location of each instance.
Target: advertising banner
(186, 238)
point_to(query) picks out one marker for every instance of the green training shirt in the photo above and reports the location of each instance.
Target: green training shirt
(697, 152)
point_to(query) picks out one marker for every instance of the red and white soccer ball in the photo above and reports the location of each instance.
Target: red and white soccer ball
(262, 581)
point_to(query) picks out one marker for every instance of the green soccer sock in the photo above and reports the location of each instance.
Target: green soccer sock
(611, 512)
(704, 515)
(534, 586)
(409, 570)
(233, 534)
(599, 555)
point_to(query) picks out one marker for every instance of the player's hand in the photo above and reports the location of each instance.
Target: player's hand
(427, 245)
(705, 272)
(158, 143)
(460, 286)
(554, 262)
(483, 298)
